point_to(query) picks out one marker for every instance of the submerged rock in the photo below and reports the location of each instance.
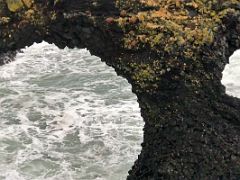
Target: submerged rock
(173, 53)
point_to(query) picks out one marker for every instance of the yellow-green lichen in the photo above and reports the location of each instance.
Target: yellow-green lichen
(147, 76)
(14, 5)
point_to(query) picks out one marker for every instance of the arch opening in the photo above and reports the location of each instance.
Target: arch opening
(231, 76)
(65, 114)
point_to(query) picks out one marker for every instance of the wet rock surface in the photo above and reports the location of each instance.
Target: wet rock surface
(173, 53)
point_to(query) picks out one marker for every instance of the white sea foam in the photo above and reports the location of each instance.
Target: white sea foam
(66, 115)
(231, 75)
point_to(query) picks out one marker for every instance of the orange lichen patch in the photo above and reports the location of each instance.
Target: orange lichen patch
(28, 3)
(171, 24)
(193, 4)
(161, 13)
(150, 2)
(152, 26)
(164, 13)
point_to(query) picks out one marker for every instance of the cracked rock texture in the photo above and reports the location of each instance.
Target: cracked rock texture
(172, 52)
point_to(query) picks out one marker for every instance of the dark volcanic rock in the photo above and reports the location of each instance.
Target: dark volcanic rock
(7, 57)
(173, 53)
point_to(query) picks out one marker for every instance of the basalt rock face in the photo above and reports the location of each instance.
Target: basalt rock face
(173, 53)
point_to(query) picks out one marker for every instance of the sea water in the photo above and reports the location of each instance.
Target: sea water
(65, 115)
(231, 75)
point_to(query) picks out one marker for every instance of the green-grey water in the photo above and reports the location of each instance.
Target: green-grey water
(64, 114)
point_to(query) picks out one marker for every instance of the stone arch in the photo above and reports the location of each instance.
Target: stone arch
(191, 126)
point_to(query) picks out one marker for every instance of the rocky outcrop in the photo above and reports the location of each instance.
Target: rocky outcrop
(173, 53)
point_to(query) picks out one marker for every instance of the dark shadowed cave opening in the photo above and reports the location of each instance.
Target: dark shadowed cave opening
(67, 115)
